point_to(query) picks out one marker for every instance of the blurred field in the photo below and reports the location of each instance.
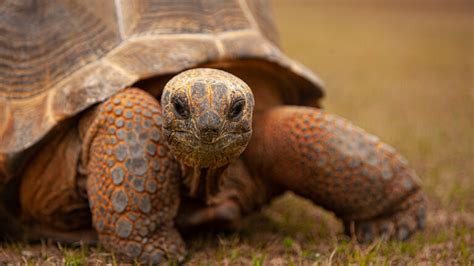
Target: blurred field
(402, 70)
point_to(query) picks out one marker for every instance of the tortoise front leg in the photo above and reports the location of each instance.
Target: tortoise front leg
(239, 194)
(340, 167)
(133, 182)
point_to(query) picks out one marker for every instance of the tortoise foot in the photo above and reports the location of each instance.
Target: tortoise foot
(195, 217)
(165, 246)
(399, 224)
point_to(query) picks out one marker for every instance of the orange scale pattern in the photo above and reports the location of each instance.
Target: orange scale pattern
(340, 167)
(133, 182)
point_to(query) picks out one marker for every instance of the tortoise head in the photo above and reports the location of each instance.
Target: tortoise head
(207, 117)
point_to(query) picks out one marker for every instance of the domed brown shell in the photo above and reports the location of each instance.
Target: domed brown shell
(59, 57)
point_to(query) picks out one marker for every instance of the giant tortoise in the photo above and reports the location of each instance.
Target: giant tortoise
(140, 119)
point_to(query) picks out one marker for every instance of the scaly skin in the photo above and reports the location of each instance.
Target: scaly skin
(133, 182)
(339, 166)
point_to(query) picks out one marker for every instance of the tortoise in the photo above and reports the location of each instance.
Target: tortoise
(138, 120)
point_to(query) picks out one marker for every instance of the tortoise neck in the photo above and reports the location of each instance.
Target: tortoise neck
(202, 182)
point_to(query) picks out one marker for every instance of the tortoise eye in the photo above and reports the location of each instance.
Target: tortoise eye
(236, 109)
(180, 107)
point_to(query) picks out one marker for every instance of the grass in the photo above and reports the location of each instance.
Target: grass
(402, 70)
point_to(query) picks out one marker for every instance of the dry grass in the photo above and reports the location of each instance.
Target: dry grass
(400, 69)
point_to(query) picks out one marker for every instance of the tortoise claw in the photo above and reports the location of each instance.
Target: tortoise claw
(400, 224)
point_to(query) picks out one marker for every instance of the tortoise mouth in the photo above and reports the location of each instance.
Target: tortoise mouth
(195, 151)
(209, 138)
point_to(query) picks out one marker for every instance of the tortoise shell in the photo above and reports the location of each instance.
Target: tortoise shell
(59, 57)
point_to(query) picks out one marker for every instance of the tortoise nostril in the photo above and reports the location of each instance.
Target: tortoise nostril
(209, 125)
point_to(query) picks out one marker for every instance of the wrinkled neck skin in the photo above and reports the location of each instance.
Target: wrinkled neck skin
(202, 183)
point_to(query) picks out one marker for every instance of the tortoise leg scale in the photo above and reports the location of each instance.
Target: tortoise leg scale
(133, 180)
(342, 168)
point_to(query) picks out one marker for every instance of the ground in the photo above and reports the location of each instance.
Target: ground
(402, 70)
